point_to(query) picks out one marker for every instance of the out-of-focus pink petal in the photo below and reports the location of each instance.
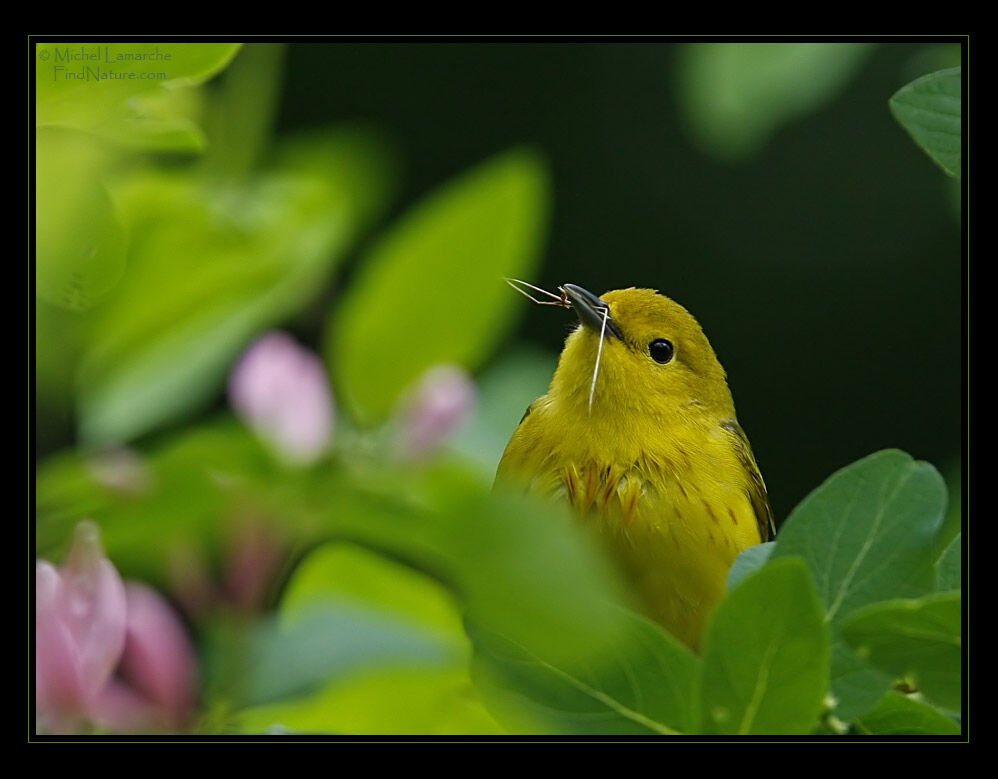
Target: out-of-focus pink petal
(91, 605)
(158, 662)
(281, 391)
(441, 400)
(59, 697)
(119, 708)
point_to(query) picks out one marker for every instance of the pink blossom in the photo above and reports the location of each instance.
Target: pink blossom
(281, 391)
(107, 654)
(441, 400)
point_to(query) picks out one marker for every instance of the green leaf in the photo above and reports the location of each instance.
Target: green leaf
(80, 241)
(766, 655)
(436, 276)
(856, 686)
(867, 533)
(246, 258)
(929, 110)
(520, 567)
(646, 686)
(918, 639)
(749, 561)
(344, 572)
(383, 701)
(293, 657)
(115, 90)
(736, 96)
(950, 566)
(900, 715)
(388, 697)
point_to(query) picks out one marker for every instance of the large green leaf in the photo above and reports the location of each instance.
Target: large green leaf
(431, 290)
(766, 655)
(929, 109)
(735, 96)
(919, 639)
(645, 686)
(867, 533)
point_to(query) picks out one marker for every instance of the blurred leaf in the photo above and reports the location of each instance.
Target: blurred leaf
(362, 160)
(899, 715)
(244, 259)
(519, 567)
(504, 392)
(950, 566)
(766, 655)
(111, 89)
(867, 533)
(431, 290)
(326, 641)
(917, 639)
(391, 702)
(929, 110)
(384, 698)
(736, 96)
(188, 489)
(749, 561)
(645, 686)
(79, 240)
(241, 112)
(344, 572)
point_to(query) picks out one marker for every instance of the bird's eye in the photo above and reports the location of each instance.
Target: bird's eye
(661, 350)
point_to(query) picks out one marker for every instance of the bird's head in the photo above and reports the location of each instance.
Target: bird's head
(653, 357)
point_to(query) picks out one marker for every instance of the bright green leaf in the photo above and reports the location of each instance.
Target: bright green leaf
(80, 241)
(766, 655)
(900, 715)
(929, 109)
(113, 90)
(390, 702)
(736, 96)
(917, 639)
(345, 572)
(247, 258)
(646, 686)
(436, 276)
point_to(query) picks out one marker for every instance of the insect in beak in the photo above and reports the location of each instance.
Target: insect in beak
(558, 300)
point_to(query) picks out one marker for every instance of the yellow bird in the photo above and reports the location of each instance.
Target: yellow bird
(638, 432)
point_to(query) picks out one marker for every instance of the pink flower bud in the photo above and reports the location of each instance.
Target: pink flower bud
(105, 653)
(441, 400)
(79, 629)
(158, 660)
(280, 390)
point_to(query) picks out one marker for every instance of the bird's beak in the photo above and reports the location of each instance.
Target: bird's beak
(591, 310)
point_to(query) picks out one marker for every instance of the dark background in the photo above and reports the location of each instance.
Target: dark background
(826, 270)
